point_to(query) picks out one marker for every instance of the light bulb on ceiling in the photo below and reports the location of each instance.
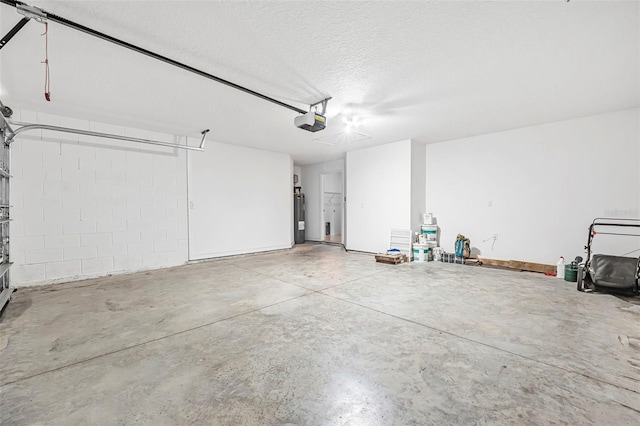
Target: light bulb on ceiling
(351, 123)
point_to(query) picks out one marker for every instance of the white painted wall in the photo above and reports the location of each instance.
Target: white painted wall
(312, 188)
(240, 201)
(538, 188)
(86, 207)
(333, 182)
(378, 194)
(418, 185)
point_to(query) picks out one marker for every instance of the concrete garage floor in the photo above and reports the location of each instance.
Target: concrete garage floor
(317, 336)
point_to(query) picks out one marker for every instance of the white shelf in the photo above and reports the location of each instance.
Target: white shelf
(401, 239)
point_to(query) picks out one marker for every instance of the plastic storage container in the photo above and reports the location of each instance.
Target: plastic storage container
(431, 232)
(560, 268)
(571, 272)
(437, 253)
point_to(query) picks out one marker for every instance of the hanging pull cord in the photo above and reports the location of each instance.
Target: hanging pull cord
(47, 79)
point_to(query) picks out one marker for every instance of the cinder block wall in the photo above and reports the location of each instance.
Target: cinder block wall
(85, 206)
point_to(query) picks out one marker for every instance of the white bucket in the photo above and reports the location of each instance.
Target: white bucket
(431, 231)
(420, 252)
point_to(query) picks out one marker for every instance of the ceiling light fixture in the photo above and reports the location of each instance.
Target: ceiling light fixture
(351, 123)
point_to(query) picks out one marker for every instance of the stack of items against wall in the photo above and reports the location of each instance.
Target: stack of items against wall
(427, 240)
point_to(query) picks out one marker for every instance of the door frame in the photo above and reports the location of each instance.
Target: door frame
(342, 209)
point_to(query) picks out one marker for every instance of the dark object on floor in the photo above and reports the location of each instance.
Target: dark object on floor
(452, 258)
(571, 271)
(607, 273)
(614, 271)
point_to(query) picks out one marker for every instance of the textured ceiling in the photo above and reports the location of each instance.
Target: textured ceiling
(429, 71)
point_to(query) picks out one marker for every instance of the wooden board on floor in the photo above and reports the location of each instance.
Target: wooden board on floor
(520, 265)
(495, 262)
(539, 267)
